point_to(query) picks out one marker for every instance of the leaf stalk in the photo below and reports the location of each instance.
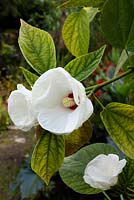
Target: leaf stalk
(105, 194)
(92, 89)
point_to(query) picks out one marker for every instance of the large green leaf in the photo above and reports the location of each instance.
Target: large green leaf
(37, 47)
(117, 23)
(72, 170)
(82, 3)
(48, 155)
(83, 66)
(75, 32)
(29, 76)
(119, 121)
(78, 138)
(130, 42)
(125, 184)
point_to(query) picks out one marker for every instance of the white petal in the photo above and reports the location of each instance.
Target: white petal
(96, 184)
(117, 165)
(97, 166)
(85, 110)
(121, 165)
(113, 162)
(50, 88)
(100, 182)
(102, 172)
(114, 157)
(23, 90)
(20, 109)
(58, 120)
(78, 91)
(61, 120)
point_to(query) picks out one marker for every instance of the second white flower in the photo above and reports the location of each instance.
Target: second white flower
(102, 172)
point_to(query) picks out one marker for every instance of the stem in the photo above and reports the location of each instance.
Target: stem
(121, 197)
(105, 194)
(113, 79)
(89, 88)
(98, 101)
(97, 87)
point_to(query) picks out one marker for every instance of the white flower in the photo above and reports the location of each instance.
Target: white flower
(60, 102)
(20, 108)
(102, 172)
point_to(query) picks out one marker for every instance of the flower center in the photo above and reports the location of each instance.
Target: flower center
(68, 102)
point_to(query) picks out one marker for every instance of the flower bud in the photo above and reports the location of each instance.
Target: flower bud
(102, 172)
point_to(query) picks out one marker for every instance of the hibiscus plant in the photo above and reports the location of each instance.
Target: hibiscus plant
(60, 106)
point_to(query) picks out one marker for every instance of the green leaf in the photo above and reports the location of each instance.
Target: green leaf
(125, 184)
(72, 170)
(91, 12)
(48, 155)
(123, 59)
(82, 3)
(130, 41)
(75, 33)
(81, 67)
(117, 23)
(29, 76)
(119, 121)
(78, 138)
(37, 47)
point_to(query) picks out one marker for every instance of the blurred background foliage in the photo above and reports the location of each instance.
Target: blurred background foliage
(45, 15)
(39, 13)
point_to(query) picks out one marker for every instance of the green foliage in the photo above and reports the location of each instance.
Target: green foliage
(40, 13)
(119, 121)
(82, 3)
(117, 23)
(48, 155)
(124, 61)
(75, 33)
(8, 51)
(121, 61)
(91, 12)
(72, 170)
(81, 67)
(9, 7)
(10, 58)
(29, 76)
(4, 118)
(43, 14)
(78, 138)
(125, 183)
(37, 47)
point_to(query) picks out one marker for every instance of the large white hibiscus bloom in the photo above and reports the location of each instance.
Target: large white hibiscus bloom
(60, 102)
(102, 172)
(20, 108)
